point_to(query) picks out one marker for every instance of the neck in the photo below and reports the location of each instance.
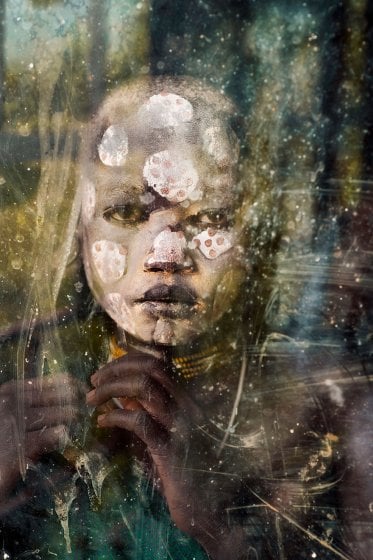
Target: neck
(192, 359)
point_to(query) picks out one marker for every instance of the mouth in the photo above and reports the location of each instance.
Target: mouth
(169, 294)
(168, 301)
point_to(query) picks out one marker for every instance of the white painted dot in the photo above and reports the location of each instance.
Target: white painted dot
(113, 147)
(109, 259)
(166, 109)
(168, 246)
(172, 176)
(88, 201)
(216, 144)
(112, 304)
(211, 243)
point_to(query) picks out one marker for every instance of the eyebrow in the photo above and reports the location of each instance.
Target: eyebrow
(111, 195)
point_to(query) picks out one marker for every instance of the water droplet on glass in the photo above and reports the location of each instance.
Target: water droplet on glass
(16, 263)
(78, 287)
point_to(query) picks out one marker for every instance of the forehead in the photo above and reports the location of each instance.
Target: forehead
(165, 141)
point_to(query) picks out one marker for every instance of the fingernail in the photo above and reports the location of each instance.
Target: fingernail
(90, 397)
(101, 420)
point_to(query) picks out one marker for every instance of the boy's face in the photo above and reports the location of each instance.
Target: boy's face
(161, 251)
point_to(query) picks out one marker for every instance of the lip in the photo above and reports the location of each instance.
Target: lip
(170, 310)
(164, 294)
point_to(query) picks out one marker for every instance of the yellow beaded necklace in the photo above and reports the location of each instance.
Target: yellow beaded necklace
(187, 366)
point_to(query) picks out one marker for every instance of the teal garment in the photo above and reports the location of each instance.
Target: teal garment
(136, 524)
(130, 522)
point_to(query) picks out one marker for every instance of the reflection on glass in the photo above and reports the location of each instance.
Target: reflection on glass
(186, 280)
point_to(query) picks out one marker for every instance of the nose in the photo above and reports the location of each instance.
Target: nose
(169, 253)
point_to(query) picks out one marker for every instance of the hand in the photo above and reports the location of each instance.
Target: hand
(161, 413)
(50, 404)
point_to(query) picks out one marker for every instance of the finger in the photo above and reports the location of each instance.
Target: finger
(132, 364)
(141, 387)
(61, 379)
(141, 424)
(153, 368)
(46, 441)
(156, 369)
(46, 417)
(36, 392)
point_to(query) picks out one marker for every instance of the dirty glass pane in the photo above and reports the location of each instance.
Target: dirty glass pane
(186, 279)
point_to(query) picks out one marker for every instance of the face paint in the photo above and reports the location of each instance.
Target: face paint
(168, 247)
(89, 201)
(147, 198)
(212, 243)
(215, 144)
(166, 109)
(172, 177)
(109, 259)
(174, 173)
(163, 332)
(112, 304)
(113, 147)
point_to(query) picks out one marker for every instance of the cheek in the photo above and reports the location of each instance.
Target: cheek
(112, 303)
(109, 259)
(118, 310)
(212, 243)
(89, 202)
(227, 291)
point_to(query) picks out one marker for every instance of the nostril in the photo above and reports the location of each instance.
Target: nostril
(167, 267)
(156, 267)
(152, 264)
(174, 228)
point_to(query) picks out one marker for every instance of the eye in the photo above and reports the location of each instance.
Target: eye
(125, 214)
(216, 218)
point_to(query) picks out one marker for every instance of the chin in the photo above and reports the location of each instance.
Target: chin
(164, 331)
(179, 332)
